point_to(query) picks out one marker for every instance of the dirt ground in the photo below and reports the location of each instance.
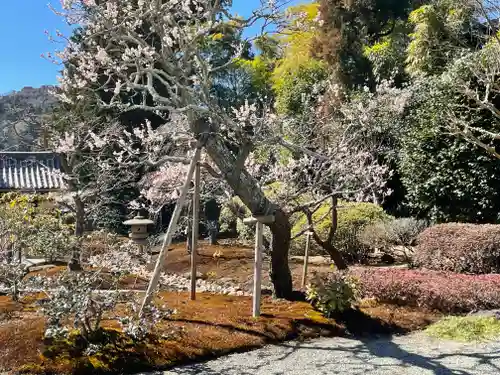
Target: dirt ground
(234, 262)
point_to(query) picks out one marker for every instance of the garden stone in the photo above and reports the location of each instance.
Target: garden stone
(199, 275)
(41, 268)
(486, 313)
(33, 262)
(317, 260)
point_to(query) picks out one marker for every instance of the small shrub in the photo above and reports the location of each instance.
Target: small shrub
(138, 327)
(109, 218)
(444, 291)
(463, 248)
(11, 277)
(390, 236)
(72, 295)
(466, 328)
(50, 238)
(352, 219)
(375, 236)
(246, 233)
(32, 226)
(230, 220)
(333, 293)
(404, 231)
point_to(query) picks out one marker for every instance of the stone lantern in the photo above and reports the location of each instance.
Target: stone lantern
(139, 229)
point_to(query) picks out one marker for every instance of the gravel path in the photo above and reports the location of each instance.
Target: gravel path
(414, 354)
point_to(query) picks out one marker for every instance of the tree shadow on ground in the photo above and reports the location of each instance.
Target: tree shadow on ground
(380, 356)
(380, 352)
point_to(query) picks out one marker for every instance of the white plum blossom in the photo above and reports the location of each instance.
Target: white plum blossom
(163, 185)
(66, 144)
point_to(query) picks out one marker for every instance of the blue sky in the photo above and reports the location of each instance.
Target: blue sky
(22, 41)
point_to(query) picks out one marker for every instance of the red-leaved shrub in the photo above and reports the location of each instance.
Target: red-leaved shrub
(463, 248)
(444, 291)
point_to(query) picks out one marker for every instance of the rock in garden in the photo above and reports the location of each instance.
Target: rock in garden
(199, 275)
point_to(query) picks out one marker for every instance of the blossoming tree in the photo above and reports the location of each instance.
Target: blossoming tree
(149, 55)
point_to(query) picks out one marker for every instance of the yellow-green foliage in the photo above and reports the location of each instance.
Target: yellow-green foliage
(438, 33)
(388, 54)
(295, 81)
(297, 71)
(424, 38)
(352, 218)
(466, 329)
(36, 225)
(259, 70)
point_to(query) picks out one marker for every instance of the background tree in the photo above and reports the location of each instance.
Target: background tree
(348, 26)
(446, 178)
(24, 119)
(89, 187)
(297, 75)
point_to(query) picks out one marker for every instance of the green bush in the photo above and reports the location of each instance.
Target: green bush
(236, 210)
(227, 220)
(390, 236)
(49, 238)
(332, 293)
(231, 213)
(14, 196)
(109, 218)
(35, 227)
(231, 217)
(353, 217)
(297, 81)
(246, 233)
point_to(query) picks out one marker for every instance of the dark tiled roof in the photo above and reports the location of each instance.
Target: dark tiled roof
(30, 171)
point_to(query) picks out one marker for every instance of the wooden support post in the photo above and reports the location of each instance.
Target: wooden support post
(195, 229)
(257, 274)
(257, 271)
(167, 241)
(306, 259)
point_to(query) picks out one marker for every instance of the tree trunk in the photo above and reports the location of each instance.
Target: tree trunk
(15, 291)
(327, 245)
(280, 274)
(75, 261)
(213, 233)
(335, 255)
(250, 193)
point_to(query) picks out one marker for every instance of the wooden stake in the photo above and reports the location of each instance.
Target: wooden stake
(306, 259)
(259, 221)
(167, 241)
(195, 229)
(257, 275)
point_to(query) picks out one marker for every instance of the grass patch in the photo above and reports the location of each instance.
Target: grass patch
(466, 329)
